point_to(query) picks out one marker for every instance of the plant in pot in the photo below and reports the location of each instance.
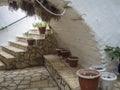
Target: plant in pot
(88, 79)
(113, 53)
(30, 41)
(41, 26)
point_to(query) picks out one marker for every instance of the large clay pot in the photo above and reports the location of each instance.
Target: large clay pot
(72, 61)
(88, 79)
(31, 41)
(42, 30)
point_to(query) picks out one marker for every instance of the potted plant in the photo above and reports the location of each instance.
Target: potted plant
(41, 26)
(30, 41)
(113, 53)
(88, 79)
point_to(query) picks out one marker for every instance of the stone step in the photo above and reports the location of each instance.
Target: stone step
(24, 38)
(34, 34)
(34, 30)
(12, 50)
(18, 44)
(2, 65)
(6, 58)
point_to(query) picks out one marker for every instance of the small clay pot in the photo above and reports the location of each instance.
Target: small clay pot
(73, 61)
(65, 53)
(58, 51)
(42, 30)
(31, 41)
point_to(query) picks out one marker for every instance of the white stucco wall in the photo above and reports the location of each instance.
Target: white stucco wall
(103, 17)
(10, 33)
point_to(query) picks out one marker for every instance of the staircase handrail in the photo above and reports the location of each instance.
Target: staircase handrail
(13, 23)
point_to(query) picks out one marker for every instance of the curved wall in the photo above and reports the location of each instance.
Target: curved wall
(103, 18)
(73, 34)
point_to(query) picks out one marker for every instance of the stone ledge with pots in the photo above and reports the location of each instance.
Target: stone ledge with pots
(64, 75)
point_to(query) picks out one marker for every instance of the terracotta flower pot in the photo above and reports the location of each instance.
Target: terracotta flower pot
(42, 30)
(58, 51)
(31, 41)
(65, 53)
(88, 79)
(72, 61)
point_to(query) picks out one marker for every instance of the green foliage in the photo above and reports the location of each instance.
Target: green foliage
(40, 24)
(26, 33)
(113, 52)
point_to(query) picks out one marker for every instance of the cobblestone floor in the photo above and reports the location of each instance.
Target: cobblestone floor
(36, 78)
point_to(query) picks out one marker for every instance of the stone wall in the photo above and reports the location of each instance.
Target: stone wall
(3, 2)
(34, 53)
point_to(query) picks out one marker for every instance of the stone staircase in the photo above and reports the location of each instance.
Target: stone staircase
(18, 54)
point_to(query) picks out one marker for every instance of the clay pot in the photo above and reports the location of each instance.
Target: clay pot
(42, 30)
(58, 51)
(88, 79)
(31, 41)
(65, 53)
(73, 61)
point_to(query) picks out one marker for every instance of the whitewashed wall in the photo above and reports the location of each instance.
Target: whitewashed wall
(10, 33)
(103, 16)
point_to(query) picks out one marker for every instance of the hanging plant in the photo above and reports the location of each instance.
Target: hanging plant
(46, 16)
(43, 8)
(13, 5)
(28, 7)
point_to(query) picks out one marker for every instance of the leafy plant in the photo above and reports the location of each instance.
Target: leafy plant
(113, 52)
(26, 33)
(40, 24)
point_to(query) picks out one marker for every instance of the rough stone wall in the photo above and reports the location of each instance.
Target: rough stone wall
(73, 34)
(3, 2)
(34, 54)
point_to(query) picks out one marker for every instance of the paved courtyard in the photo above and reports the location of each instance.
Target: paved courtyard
(36, 78)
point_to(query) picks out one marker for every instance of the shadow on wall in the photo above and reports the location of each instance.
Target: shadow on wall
(74, 34)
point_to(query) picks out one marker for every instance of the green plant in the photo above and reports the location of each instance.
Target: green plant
(40, 24)
(113, 52)
(26, 33)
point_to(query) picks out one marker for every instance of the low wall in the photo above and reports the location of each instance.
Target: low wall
(34, 54)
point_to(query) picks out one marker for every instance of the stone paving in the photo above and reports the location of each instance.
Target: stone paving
(35, 78)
